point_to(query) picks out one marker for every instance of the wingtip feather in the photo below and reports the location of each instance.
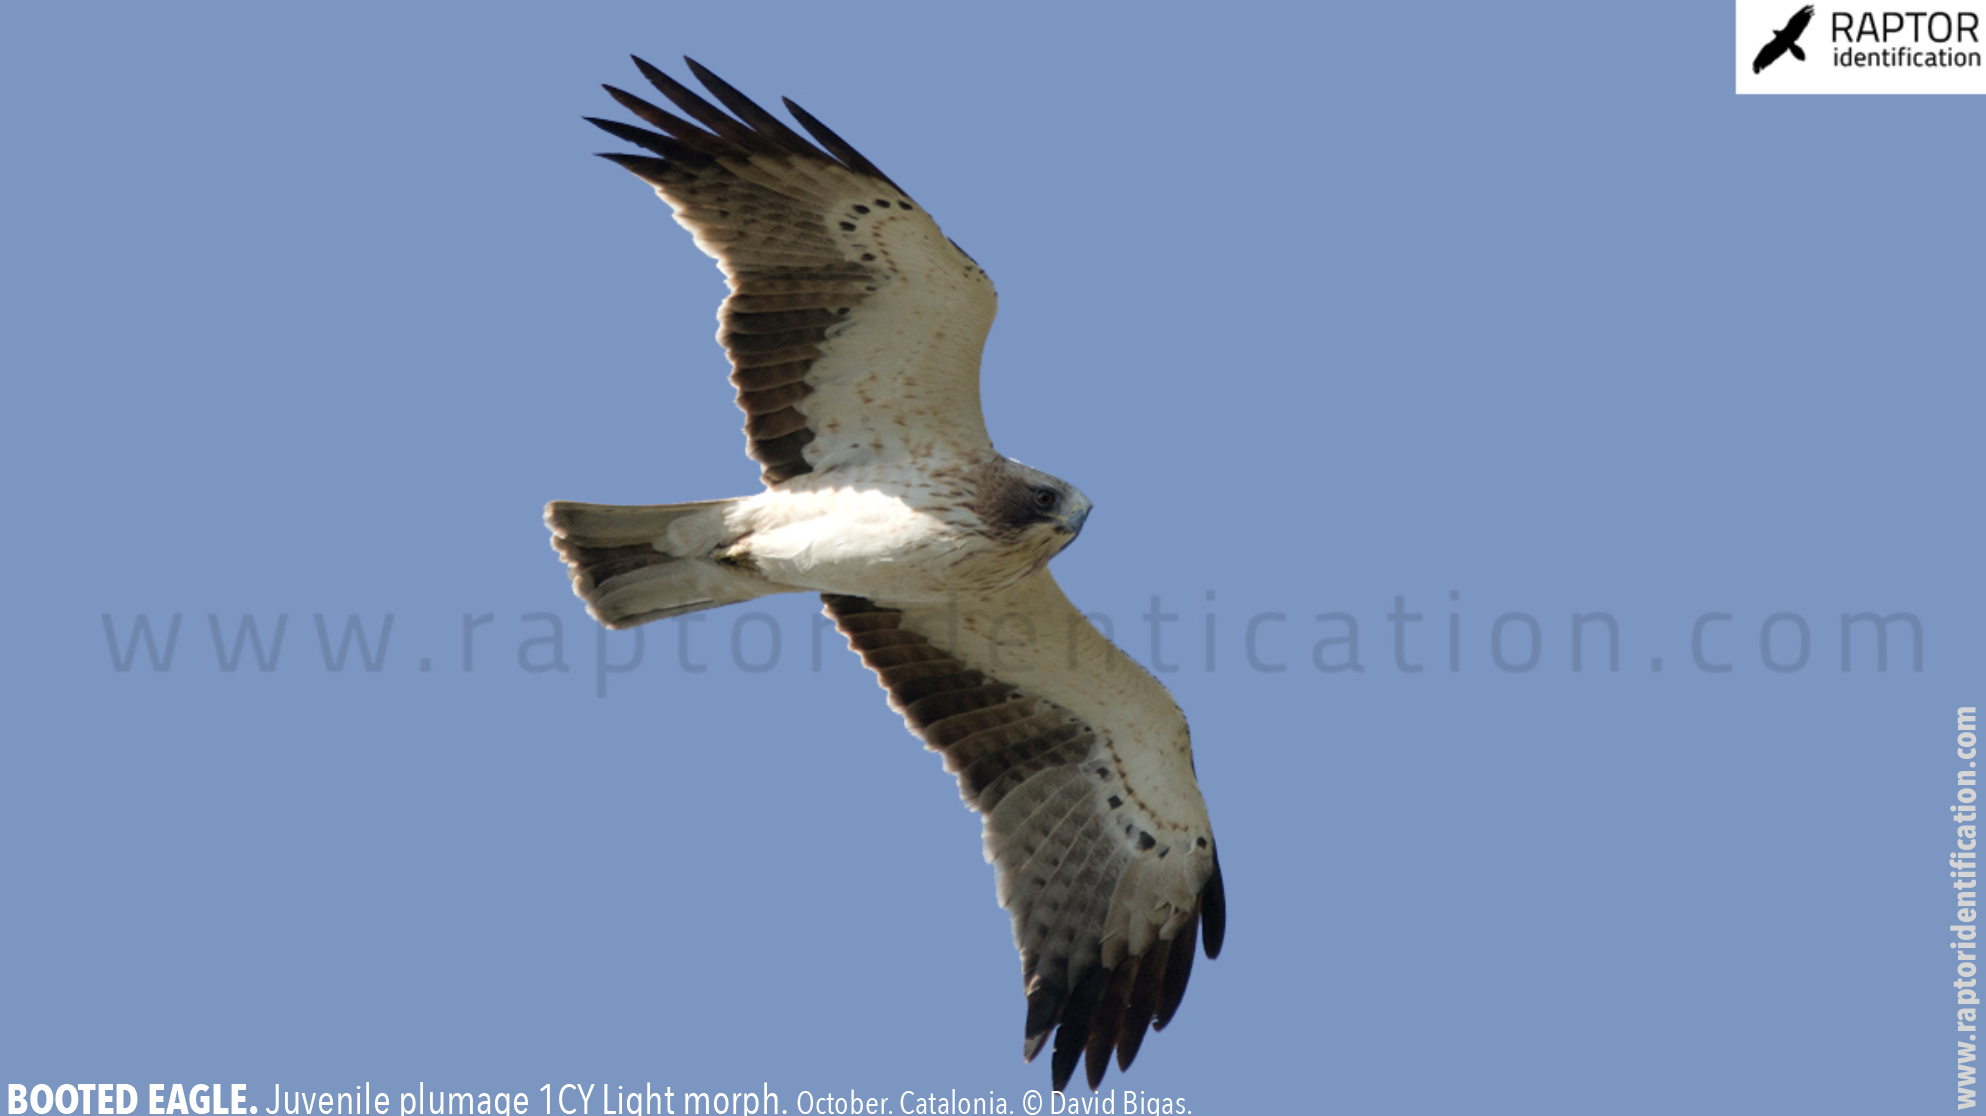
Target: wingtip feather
(766, 128)
(840, 148)
(1178, 970)
(1213, 911)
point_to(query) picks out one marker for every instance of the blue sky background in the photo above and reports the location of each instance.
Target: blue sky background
(308, 312)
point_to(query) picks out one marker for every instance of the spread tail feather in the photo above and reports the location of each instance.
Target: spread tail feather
(634, 564)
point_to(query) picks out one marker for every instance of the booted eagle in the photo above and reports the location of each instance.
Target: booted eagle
(854, 329)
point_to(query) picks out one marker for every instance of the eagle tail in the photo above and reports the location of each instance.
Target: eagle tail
(1797, 52)
(634, 564)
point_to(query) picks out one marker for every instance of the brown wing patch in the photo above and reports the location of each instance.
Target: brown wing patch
(1033, 769)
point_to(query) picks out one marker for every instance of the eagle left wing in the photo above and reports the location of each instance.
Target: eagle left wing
(854, 327)
(1080, 764)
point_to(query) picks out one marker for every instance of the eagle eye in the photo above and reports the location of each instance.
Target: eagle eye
(1046, 498)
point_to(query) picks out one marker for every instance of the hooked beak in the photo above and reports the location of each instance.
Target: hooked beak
(1073, 523)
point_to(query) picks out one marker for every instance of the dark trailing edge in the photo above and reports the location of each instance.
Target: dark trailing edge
(998, 739)
(776, 322)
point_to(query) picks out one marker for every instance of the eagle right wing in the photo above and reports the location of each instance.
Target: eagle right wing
(854, 327)
(1079, 763)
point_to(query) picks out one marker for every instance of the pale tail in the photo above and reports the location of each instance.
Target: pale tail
(621, 565)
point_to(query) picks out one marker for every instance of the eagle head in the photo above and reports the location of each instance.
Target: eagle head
(1026, 510)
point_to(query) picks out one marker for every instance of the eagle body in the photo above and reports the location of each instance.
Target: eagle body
(954, 530)
(854, 330)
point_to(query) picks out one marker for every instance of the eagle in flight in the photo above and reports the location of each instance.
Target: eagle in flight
(1785, 39)
(854, 329)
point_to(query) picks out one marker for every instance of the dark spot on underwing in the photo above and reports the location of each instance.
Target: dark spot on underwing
(1145, 841)
(1202, 842)
(861, 209)
(883, 203)
(848, 226)
(1115, 802)
(868, 256)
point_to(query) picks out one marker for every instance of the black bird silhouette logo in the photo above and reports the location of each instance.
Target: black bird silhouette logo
(1785, 39)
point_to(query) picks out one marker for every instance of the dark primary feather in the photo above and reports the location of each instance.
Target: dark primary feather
(790, 280)
(850, 157)
(1000, 742)
(762, 122)
(1213, 911)
(682, 131)
(700, 110)
(665, 146)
